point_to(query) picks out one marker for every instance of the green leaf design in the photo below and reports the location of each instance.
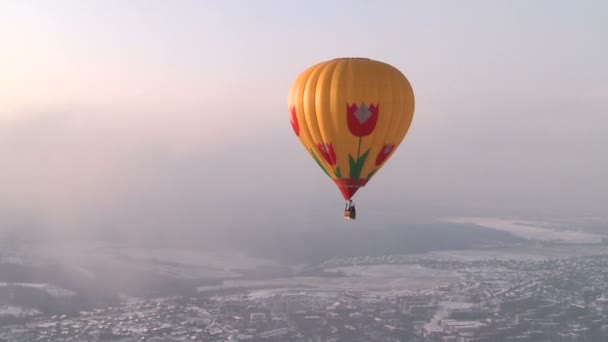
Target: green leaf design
(352, 166)
(355, 166)
(338, 172)
(371, 174)
(319, 162)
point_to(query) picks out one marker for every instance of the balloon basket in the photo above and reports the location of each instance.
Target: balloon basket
(350, 215)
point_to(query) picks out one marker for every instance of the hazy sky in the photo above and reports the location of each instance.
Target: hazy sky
(173, 113)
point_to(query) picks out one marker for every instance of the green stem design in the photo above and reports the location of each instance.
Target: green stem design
(355, 166)
(359, 148)
(338, 173)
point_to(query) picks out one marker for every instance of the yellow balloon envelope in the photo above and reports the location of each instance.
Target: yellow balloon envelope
(351, 114)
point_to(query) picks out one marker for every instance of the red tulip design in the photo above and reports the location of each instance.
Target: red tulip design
(294, 121)
(361, 119)
(328, 153)
(385, 152)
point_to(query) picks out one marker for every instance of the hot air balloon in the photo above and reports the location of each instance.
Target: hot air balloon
(351, 115)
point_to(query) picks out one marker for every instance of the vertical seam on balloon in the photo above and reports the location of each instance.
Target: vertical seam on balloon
(392, 125)
(311, 87)
(398, 103)
(296, 99)
(404, 100)
(300, 102)
(301, 112)
(336, 115)
(327, 135)
(368, 105)
(368, 140)
(348, 94)
(292, 101)
(383, 94)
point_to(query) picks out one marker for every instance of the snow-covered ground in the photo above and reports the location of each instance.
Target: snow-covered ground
(50, 289)
(516, 253)
(532, 230)
(385, 279)
(229, 260)
(17, 311)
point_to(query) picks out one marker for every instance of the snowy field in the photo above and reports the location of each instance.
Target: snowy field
(532, 230)
(384, 279)
(228, 260)
(515, 253)
(17, 311)
(50, 289)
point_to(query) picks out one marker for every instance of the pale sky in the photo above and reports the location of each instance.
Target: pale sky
(173, 112)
